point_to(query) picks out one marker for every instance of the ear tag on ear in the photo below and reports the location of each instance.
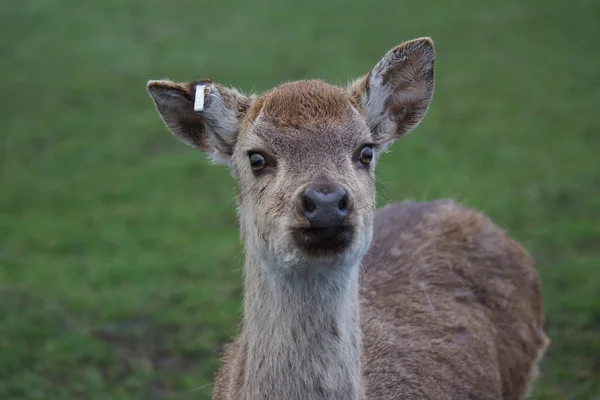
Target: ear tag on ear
(199, 99)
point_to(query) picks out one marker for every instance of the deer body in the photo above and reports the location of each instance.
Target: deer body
(414, 301)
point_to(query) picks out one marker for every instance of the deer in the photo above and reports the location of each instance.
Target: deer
(342, 301)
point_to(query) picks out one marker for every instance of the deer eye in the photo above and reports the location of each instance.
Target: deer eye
(257, 162)
(366, 155)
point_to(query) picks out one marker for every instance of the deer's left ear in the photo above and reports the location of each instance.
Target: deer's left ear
(395, 95)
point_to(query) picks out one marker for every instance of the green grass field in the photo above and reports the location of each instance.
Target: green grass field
(119, 248)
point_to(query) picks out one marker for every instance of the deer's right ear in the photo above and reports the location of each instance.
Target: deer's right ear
(211, 126)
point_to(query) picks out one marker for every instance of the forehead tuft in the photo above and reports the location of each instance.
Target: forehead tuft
(301, 103)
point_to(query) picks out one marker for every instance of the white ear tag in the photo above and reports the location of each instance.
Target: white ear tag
(199, 100)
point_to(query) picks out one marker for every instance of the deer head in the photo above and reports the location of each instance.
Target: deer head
(304, 153)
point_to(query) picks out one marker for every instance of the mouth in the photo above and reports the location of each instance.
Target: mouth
(323, 241)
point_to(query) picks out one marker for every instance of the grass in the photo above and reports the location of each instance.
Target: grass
(119, 250)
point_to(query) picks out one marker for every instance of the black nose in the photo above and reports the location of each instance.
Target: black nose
(325, 208)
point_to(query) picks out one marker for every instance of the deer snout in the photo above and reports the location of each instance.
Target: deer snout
(325, 206)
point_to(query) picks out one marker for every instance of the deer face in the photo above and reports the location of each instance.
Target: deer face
(304, 163)
(304, 153)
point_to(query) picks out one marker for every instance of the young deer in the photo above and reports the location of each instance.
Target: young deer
(445, 305)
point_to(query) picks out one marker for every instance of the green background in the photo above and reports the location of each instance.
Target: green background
(119, 248)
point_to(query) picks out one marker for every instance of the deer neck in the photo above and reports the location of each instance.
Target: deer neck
(301, 333)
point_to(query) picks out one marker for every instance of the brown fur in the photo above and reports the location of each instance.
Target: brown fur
(302, 103)
(452, 306)
(357, 88)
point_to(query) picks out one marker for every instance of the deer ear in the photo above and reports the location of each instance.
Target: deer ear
(396, 94)
(202, 114)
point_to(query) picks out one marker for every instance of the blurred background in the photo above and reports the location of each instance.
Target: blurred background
(119, 248)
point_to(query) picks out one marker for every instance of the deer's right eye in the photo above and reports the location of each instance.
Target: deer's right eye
(257, 162)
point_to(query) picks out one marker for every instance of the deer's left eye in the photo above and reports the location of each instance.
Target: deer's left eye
(257, 162)
(366, 155)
